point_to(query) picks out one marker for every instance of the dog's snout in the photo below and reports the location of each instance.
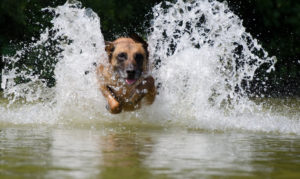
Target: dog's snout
(130, 71)
(130, 67)
(131, 74)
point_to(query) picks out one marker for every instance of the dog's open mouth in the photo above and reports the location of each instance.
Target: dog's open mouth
(131, 77)
(130, 81)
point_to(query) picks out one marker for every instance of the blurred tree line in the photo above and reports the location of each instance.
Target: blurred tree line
(275, 23)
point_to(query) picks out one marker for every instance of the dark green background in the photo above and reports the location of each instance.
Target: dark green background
(275, 23)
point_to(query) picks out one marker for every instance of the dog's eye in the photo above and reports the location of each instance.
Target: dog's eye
(139, 59)
(122, 56)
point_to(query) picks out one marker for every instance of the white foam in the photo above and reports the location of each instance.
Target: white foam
(205, 56)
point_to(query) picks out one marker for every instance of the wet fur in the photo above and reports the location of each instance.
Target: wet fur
(113, 77)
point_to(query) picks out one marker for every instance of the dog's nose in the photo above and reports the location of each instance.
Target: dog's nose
(130, 74)
(130, 67)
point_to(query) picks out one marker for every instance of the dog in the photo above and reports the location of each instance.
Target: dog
(125, 80)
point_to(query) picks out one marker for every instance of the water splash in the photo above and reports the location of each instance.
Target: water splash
(218, 58)
(76, 88)
(203, 61)
(77, 36)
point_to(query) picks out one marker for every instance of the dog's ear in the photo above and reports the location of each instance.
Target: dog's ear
(109, 48)
(139, 39)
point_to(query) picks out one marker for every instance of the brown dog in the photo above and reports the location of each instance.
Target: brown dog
(125, 80)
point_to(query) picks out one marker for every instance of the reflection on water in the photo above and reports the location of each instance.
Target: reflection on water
(24, 152)
(200, 153)
(75, 153)
(124, 154)
(112, 152)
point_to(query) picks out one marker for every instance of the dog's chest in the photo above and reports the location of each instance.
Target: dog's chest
(122, 91)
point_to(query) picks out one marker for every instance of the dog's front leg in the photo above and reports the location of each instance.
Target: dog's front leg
(151, 90)
(113, 106)
(104, 78)
(146, 88)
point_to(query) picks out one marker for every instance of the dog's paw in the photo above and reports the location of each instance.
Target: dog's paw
(114, 107)
(107, 107)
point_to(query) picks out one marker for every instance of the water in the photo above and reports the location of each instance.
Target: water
(144, 151)
(202, 123)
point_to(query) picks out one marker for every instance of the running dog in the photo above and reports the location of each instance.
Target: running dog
(125, 80)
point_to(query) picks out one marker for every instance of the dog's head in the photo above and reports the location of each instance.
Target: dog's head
(128, 57)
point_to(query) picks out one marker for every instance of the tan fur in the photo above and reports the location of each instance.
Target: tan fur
(120, 95)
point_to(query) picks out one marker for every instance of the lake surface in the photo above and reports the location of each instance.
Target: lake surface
(138, 150)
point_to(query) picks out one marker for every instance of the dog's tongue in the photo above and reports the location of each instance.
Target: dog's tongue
(130, 81)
